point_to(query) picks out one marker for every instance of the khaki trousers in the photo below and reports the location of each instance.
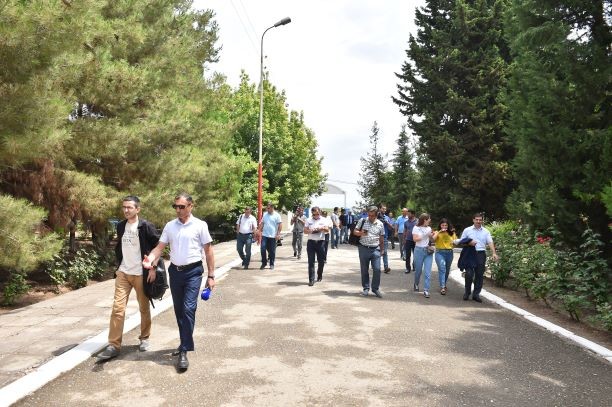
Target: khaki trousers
(123, 286)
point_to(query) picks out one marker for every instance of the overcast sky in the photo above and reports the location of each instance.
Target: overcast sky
(336, 62)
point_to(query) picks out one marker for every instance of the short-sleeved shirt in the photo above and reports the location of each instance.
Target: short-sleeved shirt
(130, 246)
(247, 224)
(408, 226)
(270, 224)
(400, 223)
(375, 230)
(328, 223)
(186, 240)
(480, 235)
(388, 229)
(312, 223)
(422, 231)
(445, 240)
(335, 219)
(298, 227)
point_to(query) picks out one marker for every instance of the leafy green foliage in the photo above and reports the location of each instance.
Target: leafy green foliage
(14, 288)
(449, 90)
(374, 180)
(559, 101)
(404, 179)
(546, 268)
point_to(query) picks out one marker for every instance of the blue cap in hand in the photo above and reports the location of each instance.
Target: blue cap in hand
(206, 293)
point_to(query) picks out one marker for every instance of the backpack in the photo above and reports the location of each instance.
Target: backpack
(156, 289)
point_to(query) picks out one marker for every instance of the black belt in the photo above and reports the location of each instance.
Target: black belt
(250, 233)
(187, 267)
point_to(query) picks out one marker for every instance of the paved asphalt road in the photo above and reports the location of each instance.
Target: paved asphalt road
(267, 339)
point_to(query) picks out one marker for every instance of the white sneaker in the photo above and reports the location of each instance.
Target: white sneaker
(144, 345)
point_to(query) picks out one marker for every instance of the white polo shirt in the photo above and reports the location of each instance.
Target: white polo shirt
(247, 224)
(312, 223)
(186, 240)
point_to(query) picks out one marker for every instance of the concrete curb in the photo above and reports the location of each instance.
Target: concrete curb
(33, 381)
(549, 326)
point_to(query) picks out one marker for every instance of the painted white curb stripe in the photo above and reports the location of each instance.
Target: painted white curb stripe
(33, 381)
(556, 329)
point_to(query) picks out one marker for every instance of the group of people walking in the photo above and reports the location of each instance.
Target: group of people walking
(140, 247)
(422, 244)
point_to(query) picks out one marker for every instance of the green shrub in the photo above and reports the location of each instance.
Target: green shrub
(84, 266)
(14, 288)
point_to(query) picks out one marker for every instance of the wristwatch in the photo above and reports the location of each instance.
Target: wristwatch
(211, 277)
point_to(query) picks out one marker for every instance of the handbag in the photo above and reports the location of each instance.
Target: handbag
(156, 289)
(354, 239)
(431, 249)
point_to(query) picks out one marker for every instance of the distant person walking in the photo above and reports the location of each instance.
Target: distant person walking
(329, 225)
(444, 238)
(189, 242)
(423, 258)
(246, 225)
(389, 231)
(346, 220)
(409, 244)
(335, 232)
(371, 245)
(316, 227)
(270, 228)
(399, 231)
(298, 220)
(136, 237)
(481, 238)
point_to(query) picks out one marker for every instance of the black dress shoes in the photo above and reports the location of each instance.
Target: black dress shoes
(183, 363)
(319, 279)
(466, 297)
(311, 283)
(477, 299)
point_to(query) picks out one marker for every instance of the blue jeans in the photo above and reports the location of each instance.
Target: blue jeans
(335, 237)
(185, 287)
(422, 262)
(344, 234)
(315, 247)
(268, 244)
(369, 256)
(444, 259)
(243, 240)
(385, 257)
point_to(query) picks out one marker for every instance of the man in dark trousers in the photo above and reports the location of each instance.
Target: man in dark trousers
(189, 242)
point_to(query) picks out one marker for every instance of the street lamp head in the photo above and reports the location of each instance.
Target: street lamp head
(284, 21)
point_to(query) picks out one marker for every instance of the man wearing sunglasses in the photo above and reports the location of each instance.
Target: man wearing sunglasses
(188, 238)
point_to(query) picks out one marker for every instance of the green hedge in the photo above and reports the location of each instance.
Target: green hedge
(576, 278)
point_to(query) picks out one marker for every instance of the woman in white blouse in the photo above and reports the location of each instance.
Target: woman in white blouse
(423, 258)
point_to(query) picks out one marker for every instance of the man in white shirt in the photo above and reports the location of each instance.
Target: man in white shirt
(316, 227)
(135, 238)
(245, 227)
(481, 238)
(189, 242)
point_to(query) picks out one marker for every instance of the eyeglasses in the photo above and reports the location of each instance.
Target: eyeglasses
(175, 206)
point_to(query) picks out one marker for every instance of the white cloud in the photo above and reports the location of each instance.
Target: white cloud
(336, 61)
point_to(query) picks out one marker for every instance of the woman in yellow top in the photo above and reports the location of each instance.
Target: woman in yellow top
(444, 237)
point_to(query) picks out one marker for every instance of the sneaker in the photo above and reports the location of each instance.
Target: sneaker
(272, 267)
(109, 353)
(144, 345)
(294, 253)
(299, 256)
(377, 293)
(387, 270)
(263, 266)
(365, 292)
(406, 271)
(426, 294)
(415, 288)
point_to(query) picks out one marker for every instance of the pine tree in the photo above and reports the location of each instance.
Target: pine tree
(560, 102)
(449, 91)
(403, 176)
(373, 183)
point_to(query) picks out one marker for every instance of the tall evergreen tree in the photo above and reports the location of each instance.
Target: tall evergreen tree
(560, 100)
(373, 183)
(449, 91)
(403, 176)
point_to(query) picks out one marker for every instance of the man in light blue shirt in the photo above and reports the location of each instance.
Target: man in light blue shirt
(481, 238)
(270, 228)
(399, 231)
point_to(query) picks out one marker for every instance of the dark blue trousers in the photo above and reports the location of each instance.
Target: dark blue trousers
(315, 248)
(185, 287)
(268, 244)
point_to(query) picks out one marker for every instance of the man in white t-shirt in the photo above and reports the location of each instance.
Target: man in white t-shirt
(245, 227)
(135, 238)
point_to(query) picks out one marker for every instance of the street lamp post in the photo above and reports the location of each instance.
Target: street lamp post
(284, 21)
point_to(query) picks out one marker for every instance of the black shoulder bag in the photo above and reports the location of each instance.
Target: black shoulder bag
(354, 239)
(156, 289)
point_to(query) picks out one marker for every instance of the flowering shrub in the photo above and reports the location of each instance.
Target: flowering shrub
(578, 279)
